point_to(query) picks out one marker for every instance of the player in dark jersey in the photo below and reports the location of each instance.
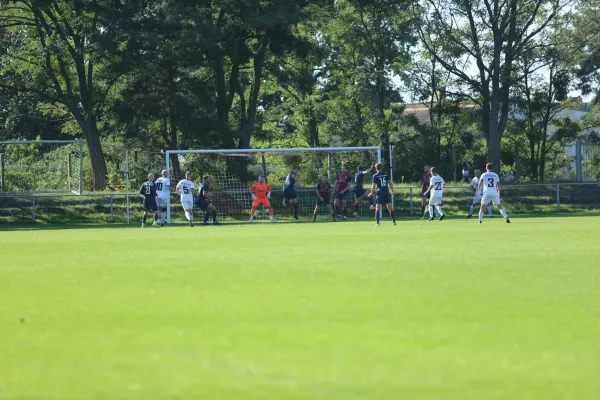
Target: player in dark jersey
(148, 189)
(204, 203)
(359, 190)
(342, 191)
(289, 191)
(381, 181)
(323, 191)
(424, 185)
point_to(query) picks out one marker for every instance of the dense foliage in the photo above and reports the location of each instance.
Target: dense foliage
(494, 78)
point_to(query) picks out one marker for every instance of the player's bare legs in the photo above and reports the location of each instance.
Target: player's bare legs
(500, 209)
(190, 217)
(438, 208)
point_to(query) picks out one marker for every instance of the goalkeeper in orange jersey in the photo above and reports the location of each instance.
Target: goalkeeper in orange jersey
(262, 197)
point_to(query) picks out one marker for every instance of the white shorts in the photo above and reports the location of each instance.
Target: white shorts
(493, 197)
(187, 205)
(477, 199)
(161, 202)
(435, 200)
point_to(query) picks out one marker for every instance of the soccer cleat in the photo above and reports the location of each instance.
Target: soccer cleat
(205, 223)
(191, 224)
(469, 216)
(296, 217)
(377, 224)
(442, 217)
(143, 225)
(344, 219)
(507, 220)
(216, 223)
(355, 215)
(155, 225)
(431, 219)
(315, 218)
(273, 219)
(394, 223)
(479, 221)
(162, 224)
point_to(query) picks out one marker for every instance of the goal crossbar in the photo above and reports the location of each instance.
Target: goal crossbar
(265, 151)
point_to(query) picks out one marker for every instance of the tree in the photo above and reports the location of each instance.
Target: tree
(56, 58)
(371, 41)
(488, 35)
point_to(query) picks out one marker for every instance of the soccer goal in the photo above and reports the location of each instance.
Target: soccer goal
(233, 171)
(41, 166)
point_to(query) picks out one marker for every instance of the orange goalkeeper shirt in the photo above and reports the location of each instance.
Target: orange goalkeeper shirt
(261, 190)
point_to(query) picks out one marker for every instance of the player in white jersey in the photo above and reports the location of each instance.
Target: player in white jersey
(489, 188)
(436, 190)
(477, 196)
(185, 187)
(163, 188)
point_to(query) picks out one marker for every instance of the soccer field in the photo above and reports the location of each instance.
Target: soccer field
(441, 310)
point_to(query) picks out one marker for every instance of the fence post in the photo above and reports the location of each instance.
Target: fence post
(112, 213)
(392, 172)
(557, 198)
(80, 166)
(33, 208)
(578, 162)
(411, 201)
(127, 182)
(69, 170)
(2, 172)
(454, 162)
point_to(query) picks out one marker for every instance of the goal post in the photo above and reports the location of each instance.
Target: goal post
(233, 171)
(41, 166)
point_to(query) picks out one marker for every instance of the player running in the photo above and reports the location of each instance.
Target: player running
(148, 189)
(289, 191)
(323, 192)
(424, 185)
(163, 188)
(489, 187)
(359, 190)
(263, 195)
(381, 181)
(342, 190)
(185, 188)
(477, 196)
(204, 203)
(436, 192)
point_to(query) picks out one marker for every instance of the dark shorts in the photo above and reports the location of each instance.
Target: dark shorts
(202, 203)
(428, 195)
(384, 198)
(150, 204)
(289, 194)
(323, 202)
(358, 192)
(342, 196)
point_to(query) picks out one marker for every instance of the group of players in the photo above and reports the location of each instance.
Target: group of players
(156, 195)
(486, 186)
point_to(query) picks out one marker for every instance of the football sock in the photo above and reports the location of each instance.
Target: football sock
(472, 209)
(504, 214)
(252, 211)
(377, 215)
(163, 216)
(270, 212)
(439, 210)
(393, 216)
(187, 215)
(489, 209)
(370, 200)
(356, 207)
(155, 217)
(295, 209)
(431, 212)
(423, 211)
(333, 215)
(206, 216)
(144, 219)
(480, 214)
(345, 211)
(214, 215)
(337, 210)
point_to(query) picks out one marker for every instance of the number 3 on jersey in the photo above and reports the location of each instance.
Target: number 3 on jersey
(490, 182)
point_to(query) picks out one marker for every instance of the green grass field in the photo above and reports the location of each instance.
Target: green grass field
(442, 310)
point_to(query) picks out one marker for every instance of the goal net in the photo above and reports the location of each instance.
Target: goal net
(233, 172)
(41, 166)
